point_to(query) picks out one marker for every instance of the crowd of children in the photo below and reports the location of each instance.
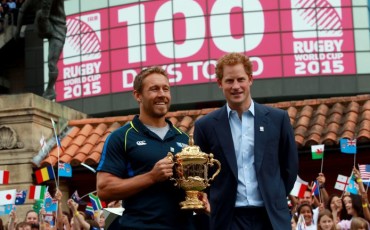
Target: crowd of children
(335, 212)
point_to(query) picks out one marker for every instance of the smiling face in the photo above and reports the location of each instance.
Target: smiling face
(235, 86)
(306, 211)
(349, 207)
(326, 223)
(154, 98)
(32, 217)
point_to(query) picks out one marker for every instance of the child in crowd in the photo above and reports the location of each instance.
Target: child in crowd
(325, 221)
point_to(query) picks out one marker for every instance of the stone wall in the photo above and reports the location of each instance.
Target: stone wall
(24, 119)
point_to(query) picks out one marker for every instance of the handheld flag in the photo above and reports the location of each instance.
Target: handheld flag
(348, 146)
(352, 187)
(300, 186)
(75, 197)
(301, 223)
(95, 201)
(342, 182)
(50, 204)
(7, 196)
(317, 151)
(365, 172)
(65, 169)
(38, 205)
(315, 188)
(20, 197)
(89, 209)
(42, 142)
(6, 209)
(37, 192)
(56, 136)
(4, 177)
(44, 174)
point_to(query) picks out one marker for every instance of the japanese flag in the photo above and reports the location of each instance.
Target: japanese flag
(7, 196)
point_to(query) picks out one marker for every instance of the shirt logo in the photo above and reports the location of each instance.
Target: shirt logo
(140, 142)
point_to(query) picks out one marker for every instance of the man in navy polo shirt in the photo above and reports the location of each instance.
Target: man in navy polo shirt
(134, 166)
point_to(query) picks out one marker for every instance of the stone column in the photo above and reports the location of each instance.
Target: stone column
(24, 119)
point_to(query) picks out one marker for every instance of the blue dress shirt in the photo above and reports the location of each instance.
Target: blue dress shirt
(242, 130)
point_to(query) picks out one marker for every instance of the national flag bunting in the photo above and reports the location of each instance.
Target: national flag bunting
(7, 196)
(20, 197)
(95, 201)
(44, 174)
(342, 182)
(64, 169)
(4, 177)
(365, 171)
(37, 192)
(300, 186)
(348, 146)
(6, 209)
(317, 151)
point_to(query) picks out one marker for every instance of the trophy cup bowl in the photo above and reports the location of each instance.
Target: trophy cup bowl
(191, 173)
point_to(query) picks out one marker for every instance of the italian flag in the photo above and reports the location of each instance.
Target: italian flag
(4, 177)
(317, 151)
(37, 192)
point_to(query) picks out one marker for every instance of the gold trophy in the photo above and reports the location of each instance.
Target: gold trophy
(191, 173)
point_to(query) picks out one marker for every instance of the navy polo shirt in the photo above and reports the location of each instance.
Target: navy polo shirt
(133, 150)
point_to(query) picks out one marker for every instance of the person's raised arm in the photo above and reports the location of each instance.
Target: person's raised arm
(78, 220)
(321, 183)
(12, 220)
(362, 192)
(111, 187)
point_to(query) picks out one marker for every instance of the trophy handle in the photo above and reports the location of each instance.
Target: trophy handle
(211, 163)
(171, 157)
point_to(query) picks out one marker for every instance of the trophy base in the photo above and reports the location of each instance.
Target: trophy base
(192, 201)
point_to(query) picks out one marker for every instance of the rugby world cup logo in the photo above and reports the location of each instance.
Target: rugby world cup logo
(83, 42)
(316, 18)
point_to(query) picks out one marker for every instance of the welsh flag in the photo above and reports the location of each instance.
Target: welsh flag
(317, 151)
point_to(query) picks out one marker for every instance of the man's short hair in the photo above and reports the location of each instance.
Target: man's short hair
(233, 59)
(138, 82)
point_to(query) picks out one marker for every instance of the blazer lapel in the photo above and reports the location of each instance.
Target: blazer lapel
(260, 131)
(223, 132)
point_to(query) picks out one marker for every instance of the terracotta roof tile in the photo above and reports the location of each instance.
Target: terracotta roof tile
(315, 121)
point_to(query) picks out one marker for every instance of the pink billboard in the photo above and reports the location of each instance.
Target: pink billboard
(106, 48)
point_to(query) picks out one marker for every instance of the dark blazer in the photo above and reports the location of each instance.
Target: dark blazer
(276, 163)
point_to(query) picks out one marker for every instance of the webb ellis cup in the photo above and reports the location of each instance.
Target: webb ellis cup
(191, 173)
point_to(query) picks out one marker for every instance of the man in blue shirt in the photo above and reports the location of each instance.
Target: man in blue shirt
(134, 166)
